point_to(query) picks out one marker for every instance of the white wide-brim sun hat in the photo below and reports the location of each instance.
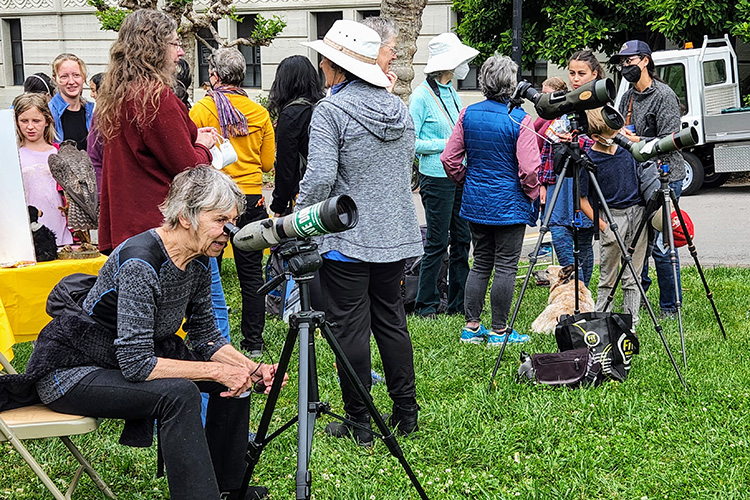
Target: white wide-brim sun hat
(447, 53)
(354, 47)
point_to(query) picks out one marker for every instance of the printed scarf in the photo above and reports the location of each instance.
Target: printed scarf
(233, 123)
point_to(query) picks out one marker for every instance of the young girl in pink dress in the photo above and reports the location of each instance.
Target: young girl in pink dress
(36, 136)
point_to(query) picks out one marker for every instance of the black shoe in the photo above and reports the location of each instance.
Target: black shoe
(253, 350)
(253, 493)
(403, 419)
(347, 430)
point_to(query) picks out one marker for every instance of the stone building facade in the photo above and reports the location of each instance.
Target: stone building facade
(33, 32)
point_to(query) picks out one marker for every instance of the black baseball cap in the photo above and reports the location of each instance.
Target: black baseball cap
(631, 48)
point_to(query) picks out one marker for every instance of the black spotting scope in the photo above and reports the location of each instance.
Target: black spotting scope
(549, 106)
(645, 150)
(333, 215)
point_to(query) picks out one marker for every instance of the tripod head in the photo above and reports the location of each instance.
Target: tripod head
(301, 259)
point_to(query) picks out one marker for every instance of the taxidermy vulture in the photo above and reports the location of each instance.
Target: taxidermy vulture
(72, 169)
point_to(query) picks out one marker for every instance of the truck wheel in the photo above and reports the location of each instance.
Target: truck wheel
(715, 180)
(693, 174)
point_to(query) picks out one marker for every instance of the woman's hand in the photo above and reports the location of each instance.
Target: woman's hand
(237, 379)
(266, 375)
(630, 135)
(391, 78)
(207, 136)
(543, 194)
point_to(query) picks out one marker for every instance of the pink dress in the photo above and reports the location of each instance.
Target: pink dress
(41, 191)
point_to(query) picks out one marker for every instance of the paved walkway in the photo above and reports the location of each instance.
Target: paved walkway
(722, 225)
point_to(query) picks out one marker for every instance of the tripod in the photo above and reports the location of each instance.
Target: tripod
(302, 260)
(580, 160)
(662, 198)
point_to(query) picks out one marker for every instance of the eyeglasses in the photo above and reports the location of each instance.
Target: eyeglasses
(177, 44)
(627, 62)
(393, 49)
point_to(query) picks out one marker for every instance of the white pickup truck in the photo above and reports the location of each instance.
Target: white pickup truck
(706, 83)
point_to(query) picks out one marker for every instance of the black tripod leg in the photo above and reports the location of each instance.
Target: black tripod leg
(388, 438)
(668, 237)
(255, 448)
(694, 254)
(642, 225)
(629, 262)
(533, 257)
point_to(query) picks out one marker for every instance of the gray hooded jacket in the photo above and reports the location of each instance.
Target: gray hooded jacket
(362, 145)
(656, 113)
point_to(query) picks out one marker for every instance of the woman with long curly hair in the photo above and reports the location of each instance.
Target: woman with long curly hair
(148, 136)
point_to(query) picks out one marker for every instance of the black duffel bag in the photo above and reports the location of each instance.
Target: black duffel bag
(607, 334)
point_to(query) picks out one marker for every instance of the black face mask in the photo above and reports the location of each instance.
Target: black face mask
(631, 73)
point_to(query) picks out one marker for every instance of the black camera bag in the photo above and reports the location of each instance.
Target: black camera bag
(574, 368)
(607, 334)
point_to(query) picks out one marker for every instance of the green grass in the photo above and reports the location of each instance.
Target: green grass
(645, 438)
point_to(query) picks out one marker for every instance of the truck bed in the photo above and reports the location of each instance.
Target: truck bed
(727, 127)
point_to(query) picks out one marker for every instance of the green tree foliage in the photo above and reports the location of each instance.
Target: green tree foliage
(553, 31)
(111, 16)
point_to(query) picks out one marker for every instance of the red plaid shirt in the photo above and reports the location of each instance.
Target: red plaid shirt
(546, 172)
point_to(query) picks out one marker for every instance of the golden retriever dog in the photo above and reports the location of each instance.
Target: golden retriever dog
(561, 297)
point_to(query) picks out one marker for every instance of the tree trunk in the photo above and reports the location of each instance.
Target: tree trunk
(407, 14)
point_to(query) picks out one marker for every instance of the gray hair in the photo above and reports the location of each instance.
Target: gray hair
(197, 190)
(383, 26)
(229, 64)
(497, 78)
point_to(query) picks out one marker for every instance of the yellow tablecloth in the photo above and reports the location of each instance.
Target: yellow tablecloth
(23, 296)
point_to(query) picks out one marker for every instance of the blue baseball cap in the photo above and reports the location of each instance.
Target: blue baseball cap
(631, 48)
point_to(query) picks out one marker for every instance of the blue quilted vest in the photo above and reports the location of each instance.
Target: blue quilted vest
(492, 191)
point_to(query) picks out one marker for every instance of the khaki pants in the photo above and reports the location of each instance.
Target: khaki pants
(610, 258)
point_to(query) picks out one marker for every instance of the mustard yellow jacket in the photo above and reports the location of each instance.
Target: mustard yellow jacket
(255, 152)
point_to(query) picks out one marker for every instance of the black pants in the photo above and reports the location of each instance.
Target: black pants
(199, 464)
(441, 199)
(363, 297)
(250, 274)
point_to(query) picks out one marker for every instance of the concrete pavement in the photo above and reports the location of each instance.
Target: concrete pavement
(722, 225)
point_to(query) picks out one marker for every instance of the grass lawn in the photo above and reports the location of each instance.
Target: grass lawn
(643, 439)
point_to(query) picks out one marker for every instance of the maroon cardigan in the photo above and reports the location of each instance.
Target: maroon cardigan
(139, 165)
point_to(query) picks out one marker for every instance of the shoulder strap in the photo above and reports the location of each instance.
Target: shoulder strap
(630, 111)
(143, 247)
(299, 100)
(441, 105)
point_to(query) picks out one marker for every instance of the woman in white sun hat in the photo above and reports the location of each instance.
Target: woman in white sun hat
(362, 145)
(434, 107)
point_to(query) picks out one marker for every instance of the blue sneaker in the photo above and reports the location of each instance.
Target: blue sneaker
(495, 339)
(469, 336)
(517, 338)
(376, 377)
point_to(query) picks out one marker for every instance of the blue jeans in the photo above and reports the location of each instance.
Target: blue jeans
(442, 203)
(221, 313)
(667, 293)
(562, 240)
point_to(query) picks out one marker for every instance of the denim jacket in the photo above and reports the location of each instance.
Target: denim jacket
(57, 106)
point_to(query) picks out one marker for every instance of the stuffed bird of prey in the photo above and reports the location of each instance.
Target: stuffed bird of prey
(72, 169)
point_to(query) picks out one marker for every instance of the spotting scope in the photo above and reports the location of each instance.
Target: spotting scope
(329, 216)
(645, 150)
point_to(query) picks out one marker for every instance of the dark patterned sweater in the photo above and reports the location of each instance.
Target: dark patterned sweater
(143, 306)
